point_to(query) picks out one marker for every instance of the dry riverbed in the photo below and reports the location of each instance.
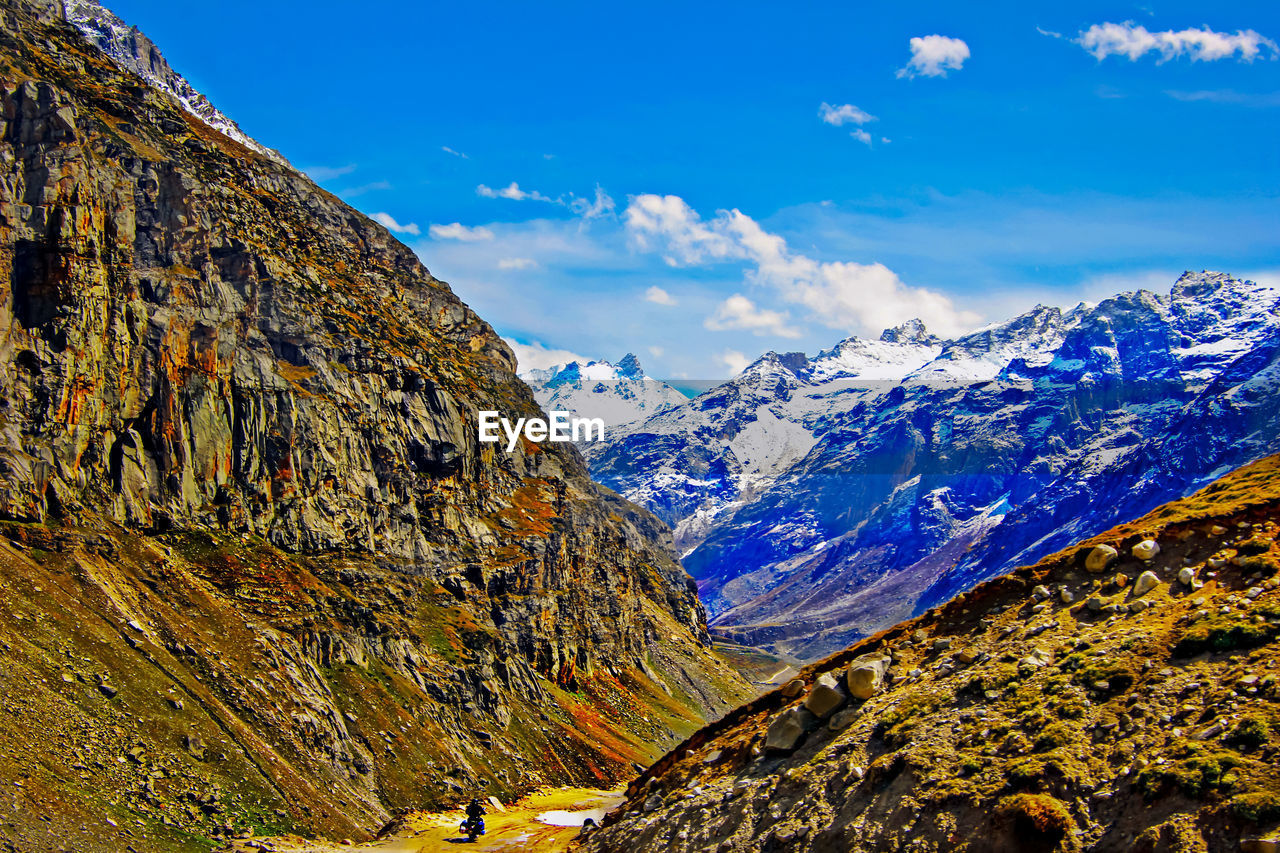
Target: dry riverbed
(544, 822)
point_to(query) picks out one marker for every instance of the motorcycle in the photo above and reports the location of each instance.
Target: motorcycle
(472, 827)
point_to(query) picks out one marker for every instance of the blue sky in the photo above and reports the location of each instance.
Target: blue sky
(680, 195)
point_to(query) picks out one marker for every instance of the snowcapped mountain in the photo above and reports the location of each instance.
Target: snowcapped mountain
(619, 394)
(816, 500)
(133, 51)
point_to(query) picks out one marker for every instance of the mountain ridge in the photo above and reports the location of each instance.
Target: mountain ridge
(802, 486)
(129, 48)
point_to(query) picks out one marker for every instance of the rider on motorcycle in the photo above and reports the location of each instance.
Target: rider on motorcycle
(475, 816)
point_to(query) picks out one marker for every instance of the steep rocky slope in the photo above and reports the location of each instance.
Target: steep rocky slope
(133, 51)
(257, 571)
(1114, 696)
(819, 500)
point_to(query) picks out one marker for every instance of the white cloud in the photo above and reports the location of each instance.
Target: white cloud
(734, 360)
(862, 136)
(934, 56)
(446, 149)
(458, 231)
(512, 191)
(656, 352)
(839, 295)
(658, 296)
(843, 114)
(1135, 41)
(388, 222)
(517, 264)
(739, 312)
(535, 356)
(668, 220)
(328, 173)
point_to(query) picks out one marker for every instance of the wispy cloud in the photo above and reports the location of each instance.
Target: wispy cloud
(601, 204)
(740, 313)
(843, 295)
(387, 221)
(446, 149)
(328, 173)
(1134, 41)
(843, 114)
(460, 232)
(862, 136)
(353, 192)
(592, 208)
(658, 296)
(1228, 96)
(934, 56)
(517, 264)
(513, 192)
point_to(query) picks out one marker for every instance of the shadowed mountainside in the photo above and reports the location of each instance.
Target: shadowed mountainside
(257, 571)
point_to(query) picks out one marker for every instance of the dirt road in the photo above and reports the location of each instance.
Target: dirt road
(519, 828)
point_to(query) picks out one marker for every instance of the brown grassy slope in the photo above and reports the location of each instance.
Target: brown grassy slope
(1138, 729)
(165, 684)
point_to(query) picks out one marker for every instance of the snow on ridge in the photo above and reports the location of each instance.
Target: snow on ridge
(131, 50)
(856, 358)
(619, 394)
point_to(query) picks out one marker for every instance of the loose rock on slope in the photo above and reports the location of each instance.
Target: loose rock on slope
(1070, 728)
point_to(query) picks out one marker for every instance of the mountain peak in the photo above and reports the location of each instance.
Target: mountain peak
(629, 367)
(1197, 285)
(910, 332)
(130, 49)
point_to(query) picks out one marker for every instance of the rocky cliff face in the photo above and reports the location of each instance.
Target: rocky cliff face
(819, 500)
(1121, 694)
(252, 547)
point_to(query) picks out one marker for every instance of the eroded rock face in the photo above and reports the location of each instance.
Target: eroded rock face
(269, 404)
(197, 339)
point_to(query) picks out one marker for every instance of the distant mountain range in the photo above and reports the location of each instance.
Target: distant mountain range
(619, 394)
(817, 500)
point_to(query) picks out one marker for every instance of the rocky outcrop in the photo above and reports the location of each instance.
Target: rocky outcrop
(238, 448)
